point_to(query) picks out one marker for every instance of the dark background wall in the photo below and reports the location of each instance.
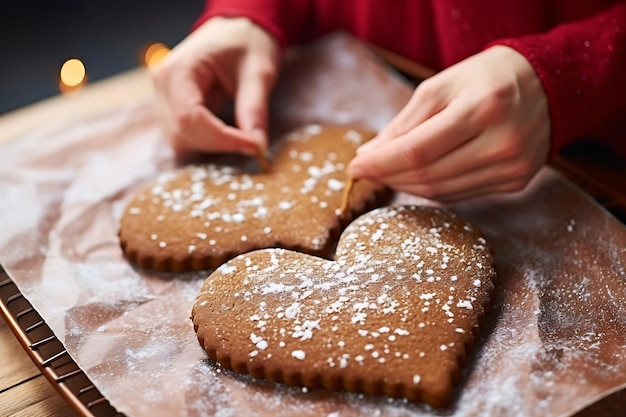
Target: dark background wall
(37, 36)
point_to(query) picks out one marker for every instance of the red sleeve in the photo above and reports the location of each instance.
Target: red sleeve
(286, 20)
(582, 66)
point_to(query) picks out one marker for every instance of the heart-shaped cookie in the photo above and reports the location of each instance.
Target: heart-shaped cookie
(197, 217)
(395, 313)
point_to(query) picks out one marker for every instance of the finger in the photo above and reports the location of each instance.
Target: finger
(202, 131)
(501, 177)
(425, 143)
(252, 101)
(487, 148)
(194, 126)
(186, 86)
(425, 102)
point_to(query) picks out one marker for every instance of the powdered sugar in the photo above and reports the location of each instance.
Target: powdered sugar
(299, 354)
(218, 203)
(555, 343)
(319, 305)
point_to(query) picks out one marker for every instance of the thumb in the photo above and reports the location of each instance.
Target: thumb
(252, 102)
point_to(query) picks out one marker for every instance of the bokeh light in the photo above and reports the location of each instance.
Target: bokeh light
(155, 54)
(73, 76)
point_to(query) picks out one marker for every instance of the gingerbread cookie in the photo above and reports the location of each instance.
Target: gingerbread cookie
(197, 217)
(395, 313)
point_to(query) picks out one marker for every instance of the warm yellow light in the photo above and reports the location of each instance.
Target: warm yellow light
(155, 53)
(73, 73)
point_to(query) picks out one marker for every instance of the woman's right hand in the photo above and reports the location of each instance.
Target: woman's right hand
(223, 58)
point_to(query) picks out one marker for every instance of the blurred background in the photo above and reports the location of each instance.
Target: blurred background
(93, 38)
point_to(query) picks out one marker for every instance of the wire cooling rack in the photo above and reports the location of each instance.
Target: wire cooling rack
(49, 354)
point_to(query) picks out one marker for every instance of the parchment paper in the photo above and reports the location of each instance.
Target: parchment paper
(553, 342)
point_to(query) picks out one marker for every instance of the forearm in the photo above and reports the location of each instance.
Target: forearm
(581, 66)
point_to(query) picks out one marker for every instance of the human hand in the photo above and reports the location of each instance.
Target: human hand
(224, 57)
(481, 126)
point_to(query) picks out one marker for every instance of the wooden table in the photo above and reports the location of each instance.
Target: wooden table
(24, 391)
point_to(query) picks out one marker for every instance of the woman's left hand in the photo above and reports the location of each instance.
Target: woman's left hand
(481, 126)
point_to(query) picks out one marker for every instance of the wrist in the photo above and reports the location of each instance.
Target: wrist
(244, 22)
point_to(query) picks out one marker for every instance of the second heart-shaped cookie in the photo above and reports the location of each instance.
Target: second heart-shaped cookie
(395, 312)
(198, 217)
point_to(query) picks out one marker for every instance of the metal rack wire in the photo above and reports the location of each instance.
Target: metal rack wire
(49, 354)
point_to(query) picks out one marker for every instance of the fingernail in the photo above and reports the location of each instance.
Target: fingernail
(355, 172)
(257, 145)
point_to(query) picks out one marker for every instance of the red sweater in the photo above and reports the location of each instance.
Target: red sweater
(578, 48)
